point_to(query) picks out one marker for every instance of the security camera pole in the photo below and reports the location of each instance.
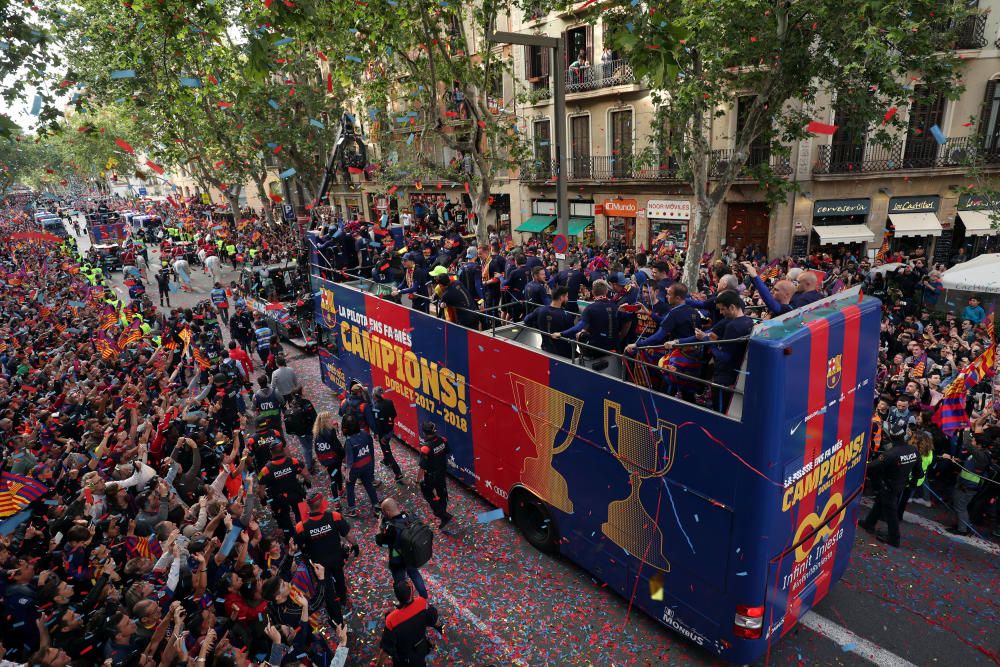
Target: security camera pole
(555, 47)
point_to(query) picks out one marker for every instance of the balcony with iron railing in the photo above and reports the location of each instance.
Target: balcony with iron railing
(915, 153)
(970, 32)
(606, 74)
(600, 168)
(759, 155)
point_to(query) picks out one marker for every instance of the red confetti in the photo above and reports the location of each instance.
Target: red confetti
(277, 149)
(155, 167)
(889, 114)
(275, 198)
(815, 127)
(329, 82)
(392, 190)
(124, 145)
(225, 105)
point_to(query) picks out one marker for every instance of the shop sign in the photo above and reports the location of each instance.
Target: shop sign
(978, 202)
(841, 207)
(927, 204)
(621, 208)
(669, 209)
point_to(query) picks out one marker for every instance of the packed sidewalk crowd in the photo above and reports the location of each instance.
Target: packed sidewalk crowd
(155, 514)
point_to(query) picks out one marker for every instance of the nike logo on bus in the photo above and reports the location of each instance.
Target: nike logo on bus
(828, 406)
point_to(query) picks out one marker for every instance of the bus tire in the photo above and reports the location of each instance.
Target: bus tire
(533, 519)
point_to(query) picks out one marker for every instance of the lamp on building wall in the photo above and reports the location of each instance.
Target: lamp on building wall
(884, 191)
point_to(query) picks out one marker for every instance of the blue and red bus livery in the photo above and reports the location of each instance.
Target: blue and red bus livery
(725, 527)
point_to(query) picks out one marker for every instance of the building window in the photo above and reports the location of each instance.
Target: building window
(543, 140)
(847, 149)
(990, 123)
(621, 143)
(926, 111)
(579, 132)
(536, 67)
(760, 148)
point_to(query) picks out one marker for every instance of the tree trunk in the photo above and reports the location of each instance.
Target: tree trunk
(265, 201)
(233, 197)
(701, 217)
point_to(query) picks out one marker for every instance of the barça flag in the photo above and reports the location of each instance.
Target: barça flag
(883, 250)
(17, 492)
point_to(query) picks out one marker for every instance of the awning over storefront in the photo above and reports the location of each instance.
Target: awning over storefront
(831, 234)
(577, 225)
(536, 223)
(915, 224)
(977, 223)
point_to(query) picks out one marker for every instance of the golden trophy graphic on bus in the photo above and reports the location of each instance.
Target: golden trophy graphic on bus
(646, 453)
(550, 419)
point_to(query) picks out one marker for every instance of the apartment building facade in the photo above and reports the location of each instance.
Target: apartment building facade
(623, 187)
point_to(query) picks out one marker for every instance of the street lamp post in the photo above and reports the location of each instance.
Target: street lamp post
(555, 47)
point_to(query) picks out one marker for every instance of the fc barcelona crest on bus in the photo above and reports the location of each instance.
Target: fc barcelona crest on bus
(834, 368)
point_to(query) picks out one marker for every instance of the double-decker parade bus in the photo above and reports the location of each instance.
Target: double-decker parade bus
(726, 528)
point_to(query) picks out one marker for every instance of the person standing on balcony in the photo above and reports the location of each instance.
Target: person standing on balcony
(606, 63)
(578, 68)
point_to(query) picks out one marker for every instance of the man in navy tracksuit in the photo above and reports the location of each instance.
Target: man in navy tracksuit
(360, 462)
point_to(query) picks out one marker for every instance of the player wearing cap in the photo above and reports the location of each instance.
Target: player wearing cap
(320, 536)
(404, 639)
(382, 418)
(432, 475)
(280, 478)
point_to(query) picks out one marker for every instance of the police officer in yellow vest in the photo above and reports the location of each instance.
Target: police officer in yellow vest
(972, 465)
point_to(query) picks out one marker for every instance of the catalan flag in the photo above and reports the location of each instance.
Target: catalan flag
(109, 318)
(920, 366)
(17, 492)
(131, 334)
(200, 357)
(883, 250)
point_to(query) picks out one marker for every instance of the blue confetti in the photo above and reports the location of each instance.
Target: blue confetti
(4, 45)
(846, 648)
(696, 519)
(273, 104)
(353, 59)
(409, 139)
(392, 3)
(741, 574)
(190, 82)
(630, 27)
(284, 40)
(938, 135)
(36, 106)
(123, 74)
(288, 173)
(487, 517)
(316, 123)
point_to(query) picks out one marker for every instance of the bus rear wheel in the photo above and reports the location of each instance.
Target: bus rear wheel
(533, 519)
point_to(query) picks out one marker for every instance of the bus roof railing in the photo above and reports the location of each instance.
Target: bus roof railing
(625, 360)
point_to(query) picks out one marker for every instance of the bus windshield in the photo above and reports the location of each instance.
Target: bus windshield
(724, 527)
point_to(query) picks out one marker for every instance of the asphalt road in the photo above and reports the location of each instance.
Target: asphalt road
(932, 602)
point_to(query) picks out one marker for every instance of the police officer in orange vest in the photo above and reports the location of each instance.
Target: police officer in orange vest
(404, 639)
(320, 537)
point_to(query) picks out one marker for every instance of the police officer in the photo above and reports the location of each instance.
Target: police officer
(973, 465)
(382, 419)
(319, 535)
(280, 478)
(163, 285)
(891, 472)
(404, 639)
(432, 475)
(550, 319)
(241, 326)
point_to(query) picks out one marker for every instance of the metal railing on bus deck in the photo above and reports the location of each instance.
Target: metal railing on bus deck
(625, 360)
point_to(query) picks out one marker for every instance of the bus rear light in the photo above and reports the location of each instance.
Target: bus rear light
(749, 622)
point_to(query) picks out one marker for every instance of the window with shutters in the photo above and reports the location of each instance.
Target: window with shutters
(760, 149)
(579, 133)
(847, 148)
(926, 111)
(542, 137)
(579, 57)
(621, 143)
(989, 124)
(536, 67)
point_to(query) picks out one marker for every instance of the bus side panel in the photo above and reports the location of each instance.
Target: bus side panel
(829, 390)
